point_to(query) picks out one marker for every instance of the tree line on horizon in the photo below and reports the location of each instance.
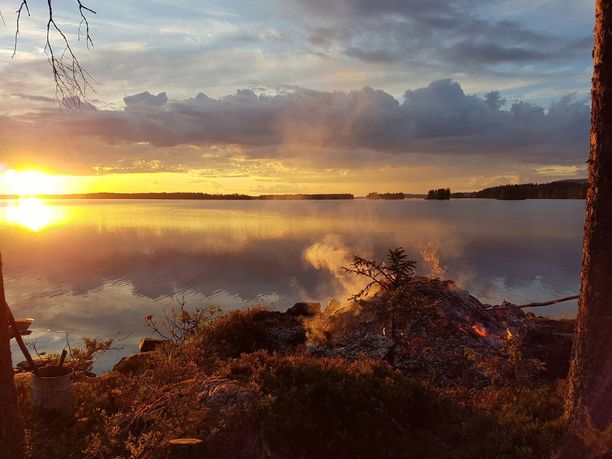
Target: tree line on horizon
(441, 194)
(196, 196)
(554, 190)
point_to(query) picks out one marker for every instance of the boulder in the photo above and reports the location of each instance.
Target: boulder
(305, 309)
(134, 363)
(150, 344)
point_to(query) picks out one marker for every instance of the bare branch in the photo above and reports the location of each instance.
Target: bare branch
(82, 10)
(72, 81)
(24, 4)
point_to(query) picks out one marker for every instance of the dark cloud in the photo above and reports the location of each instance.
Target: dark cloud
(157, 134)
(441, 33)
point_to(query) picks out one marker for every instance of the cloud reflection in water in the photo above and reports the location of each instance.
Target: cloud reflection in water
(101, 266)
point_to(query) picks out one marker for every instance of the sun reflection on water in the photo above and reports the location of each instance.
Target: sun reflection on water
(33, 214)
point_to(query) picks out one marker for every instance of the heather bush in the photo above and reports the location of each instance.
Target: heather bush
(237, 332)
(246, 401)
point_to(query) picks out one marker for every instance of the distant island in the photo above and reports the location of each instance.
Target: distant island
(385, 196)
(563, 189)
(440, 194)
(195, 196)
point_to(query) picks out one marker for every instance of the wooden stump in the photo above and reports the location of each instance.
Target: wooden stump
(185, 448)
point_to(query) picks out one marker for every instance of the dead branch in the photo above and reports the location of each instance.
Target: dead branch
(72, 81)
(509, 306)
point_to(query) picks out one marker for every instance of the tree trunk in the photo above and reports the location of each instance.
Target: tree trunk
(590, 380)
(11, 431)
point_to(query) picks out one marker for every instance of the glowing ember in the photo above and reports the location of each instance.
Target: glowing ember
(384, 331)
(509, 334)
(480, 330)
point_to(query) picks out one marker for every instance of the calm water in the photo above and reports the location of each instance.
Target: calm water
(95, 268)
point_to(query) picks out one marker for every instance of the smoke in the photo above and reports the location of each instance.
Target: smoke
(332, 255)
(431, 259)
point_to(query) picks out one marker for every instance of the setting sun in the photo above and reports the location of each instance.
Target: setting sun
(30, 183)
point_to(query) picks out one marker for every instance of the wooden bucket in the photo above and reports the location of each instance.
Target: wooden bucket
(52, 390)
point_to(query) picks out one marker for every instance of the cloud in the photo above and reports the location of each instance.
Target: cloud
(368, 126)
(433, 33)
(146, 99)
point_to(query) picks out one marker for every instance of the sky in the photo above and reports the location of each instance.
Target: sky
(302, 96)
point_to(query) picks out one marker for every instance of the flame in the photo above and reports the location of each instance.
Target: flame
(430, 256)
(384, 331)
(509, 334)
(480, 330)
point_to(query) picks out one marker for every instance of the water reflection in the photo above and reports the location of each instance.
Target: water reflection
(33, 214)
(98, 267)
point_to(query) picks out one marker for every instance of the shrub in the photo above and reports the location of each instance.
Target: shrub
(179, 324)
(237, 332)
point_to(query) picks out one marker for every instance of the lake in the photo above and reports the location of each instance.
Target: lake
(96, 268)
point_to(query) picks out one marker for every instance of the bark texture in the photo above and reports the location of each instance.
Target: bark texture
(590, 380)
(11, 431)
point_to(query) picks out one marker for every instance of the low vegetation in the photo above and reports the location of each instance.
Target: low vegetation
(262, 404)
(233, 382)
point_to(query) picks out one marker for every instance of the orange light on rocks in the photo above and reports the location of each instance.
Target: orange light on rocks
(480, 330)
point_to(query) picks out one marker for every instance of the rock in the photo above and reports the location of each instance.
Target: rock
(435, 348)
(134, 362)
(551, 342)
(150, 344)
(305, 309)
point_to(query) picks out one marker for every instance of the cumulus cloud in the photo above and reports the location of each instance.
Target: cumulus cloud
(367, 125)
(146, 98)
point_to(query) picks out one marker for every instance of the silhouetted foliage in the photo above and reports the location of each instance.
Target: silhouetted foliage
(197, 196)
(314, 197)
(389, 276)
(566, 189)
(375, 195)
(439, 194)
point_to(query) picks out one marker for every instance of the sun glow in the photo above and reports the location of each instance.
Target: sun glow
(30, 183)
(33, 214)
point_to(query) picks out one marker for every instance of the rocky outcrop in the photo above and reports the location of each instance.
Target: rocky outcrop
(435, 347)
